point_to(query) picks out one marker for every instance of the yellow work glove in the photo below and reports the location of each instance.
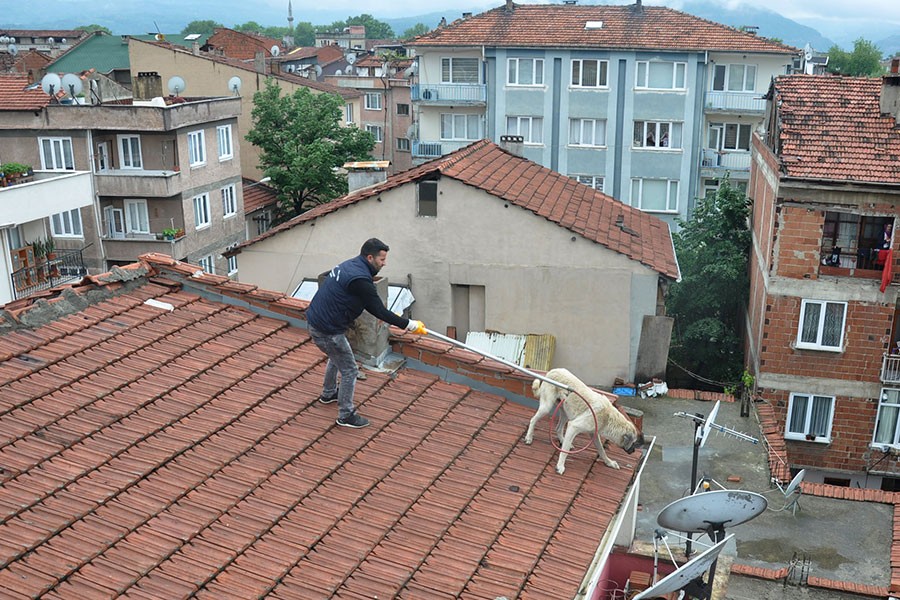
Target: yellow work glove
(416, 327)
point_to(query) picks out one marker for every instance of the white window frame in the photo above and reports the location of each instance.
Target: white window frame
(458, 126)
(723, 130)
(820, 325)
(208, 264)
(129, 151)
(637, 195)
(530, 128)
(403, 144)
(67, 224)
(731, 81)
(889, 403)
(450, 73)
(231, 261)
(225, 142)
(374, 101)
(348, 113)
(137, 217)
(202, 218)
(229, 201)
(60, 157)
(642, 75)
(514, 71)
(592, 181)
(671, 131)
(196, 141)
(585, 133)
(377, 132)
(103, 156)
(577, 73)
(811, 400)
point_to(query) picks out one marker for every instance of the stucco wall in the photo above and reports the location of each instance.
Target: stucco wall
(538, 277)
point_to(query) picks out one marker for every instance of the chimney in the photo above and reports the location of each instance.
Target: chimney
(890, 92)
(195, 48)
(259, 62)
(363, 174)
(509, 5)
(512, 144)
(638, 8)
(147, 85)
(467, 15)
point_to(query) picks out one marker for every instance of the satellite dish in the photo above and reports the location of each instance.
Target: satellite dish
(62, 41)
(275, 50)
(72, 84)
(795, 483)
(12, 49)
(685, 574)
(51, 83)
(707, 511)
(338, 72)
(318, 71)
(176, 85)
(234, 84)
(349, 70)
(412, 132)
(807, 51)
(4, 39)
(50, 40)
(350, 57)
(159, 37)
(703, 432)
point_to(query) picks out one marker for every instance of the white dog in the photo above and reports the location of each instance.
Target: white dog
(610, 423)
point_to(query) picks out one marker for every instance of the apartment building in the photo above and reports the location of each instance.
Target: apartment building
(648, 104)
(823, 314)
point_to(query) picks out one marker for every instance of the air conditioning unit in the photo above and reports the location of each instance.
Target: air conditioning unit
(429, 95)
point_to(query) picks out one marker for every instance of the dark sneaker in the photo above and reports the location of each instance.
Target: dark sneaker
(323, 399)
(355, 420)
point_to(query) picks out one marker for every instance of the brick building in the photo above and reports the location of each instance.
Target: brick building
(823, 315)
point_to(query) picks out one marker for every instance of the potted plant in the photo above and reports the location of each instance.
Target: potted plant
(49, 248)
(14, 170)
(169, 233)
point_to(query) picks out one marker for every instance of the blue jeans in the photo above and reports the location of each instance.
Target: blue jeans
(340, 358)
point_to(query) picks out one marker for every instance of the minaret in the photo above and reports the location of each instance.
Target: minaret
(289, 38)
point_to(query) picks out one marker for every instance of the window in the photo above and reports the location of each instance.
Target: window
(530, 128)
(137, 219)
(403, 109)
(403, 144)
(103, 156)
(589, 73)
(201, 211)
(587, 132)
(809, 418)
(660, 75)
(593, 181)
(734, 78)
(56, 154)
(655, 195)
(373, 100)
(427, 193)
(459, 70)
(348, 113)
(377, 131)
(263, 222)
(654, 134)
(130, 152)
(223, 134)
(229, 201)
(821, 325)
(232, 261)
(196, 148)
(525, 71)
(208, 264)
(887, 425)
(851, 240)
(66, 224)
(737, 137)
(460, 127)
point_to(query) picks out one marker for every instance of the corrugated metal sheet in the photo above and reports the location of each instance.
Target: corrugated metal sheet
(533, 351)
(539, 349)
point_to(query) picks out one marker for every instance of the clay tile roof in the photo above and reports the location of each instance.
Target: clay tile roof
(258, 196)
(831, 128)
(156, 443)
(548, 194)
(563, 26)
(239, 44)
(17, 94)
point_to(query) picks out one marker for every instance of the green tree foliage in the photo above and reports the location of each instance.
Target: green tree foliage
(375, 29)
(865, 60)
(249, 27)
(302, 143)
(708, 303)
(416, 30)
(206, 27)
(94, 27)
(305, 34)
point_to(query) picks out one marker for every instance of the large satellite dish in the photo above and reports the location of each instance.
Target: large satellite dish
(72, 84)
(234, 84)
(711, 511)
(685, 574)
(176, 85)
(350, 57)
(51, 83)
(275, 50)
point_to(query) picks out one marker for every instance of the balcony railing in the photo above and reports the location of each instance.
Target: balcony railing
(67, 266)
(139, 182)
(739, 102)
(431, 149)
(130, 248)
(726, 160)
(449, 93)
(890, 369)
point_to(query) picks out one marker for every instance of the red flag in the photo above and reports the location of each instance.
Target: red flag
(887, 271)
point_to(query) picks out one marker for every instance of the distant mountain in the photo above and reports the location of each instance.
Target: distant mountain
(890, 45)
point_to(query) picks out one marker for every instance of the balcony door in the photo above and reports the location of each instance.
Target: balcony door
(103, 156)
(115, 222)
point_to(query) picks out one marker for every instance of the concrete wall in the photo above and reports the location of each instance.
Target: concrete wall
(537, 277)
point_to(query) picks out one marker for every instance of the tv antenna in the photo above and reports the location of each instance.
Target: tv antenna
(234, 84)
(792, 492)
(176, 85)
(689, 576)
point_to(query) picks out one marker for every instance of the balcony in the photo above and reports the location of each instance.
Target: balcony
(429, 149)
(66, 266)
(735, 102)
(50, 192)
(714, 163)
(447, 94)
(139, 183)
(130, 248)
(890, 369)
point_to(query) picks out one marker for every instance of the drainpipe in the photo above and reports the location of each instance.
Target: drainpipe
(96, 196)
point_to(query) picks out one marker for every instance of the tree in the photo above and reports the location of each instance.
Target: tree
(93, 27)
(416, 30)
(249, 27)
(864, 61)
(708, 303)
(375, 29)
(302, 144)
(305, 34)
(206, 27)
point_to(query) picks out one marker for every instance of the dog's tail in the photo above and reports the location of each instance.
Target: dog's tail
(535, 386)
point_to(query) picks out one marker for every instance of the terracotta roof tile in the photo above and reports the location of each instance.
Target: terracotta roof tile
(563, 26)
(831, 128)
(257, 195)
(557, 198)
(16, 93)
(160, 454)
(240, 44)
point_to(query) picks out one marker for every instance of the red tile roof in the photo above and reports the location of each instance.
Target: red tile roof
(257, 195)
(156, 452)
(831, 128)
(548, 194)
(563, 26)
(16, 94)
(239, 44)
(325, 55)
